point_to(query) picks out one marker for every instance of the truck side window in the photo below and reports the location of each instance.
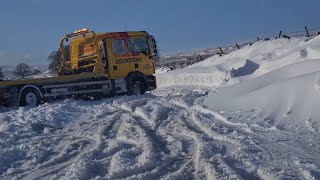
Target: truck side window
(118, 46)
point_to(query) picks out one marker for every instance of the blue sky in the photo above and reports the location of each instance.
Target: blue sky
(31, 29)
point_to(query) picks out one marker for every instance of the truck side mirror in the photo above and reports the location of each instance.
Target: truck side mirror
(153, 46)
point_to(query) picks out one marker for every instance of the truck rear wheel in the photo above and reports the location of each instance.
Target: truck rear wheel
(29, 97)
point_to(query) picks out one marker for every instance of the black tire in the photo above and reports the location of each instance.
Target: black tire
(137, 88)
(29, 97)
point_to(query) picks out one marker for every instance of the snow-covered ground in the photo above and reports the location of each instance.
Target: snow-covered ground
(251, 114)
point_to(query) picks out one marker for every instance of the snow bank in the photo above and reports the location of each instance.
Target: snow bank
(249, 68)
(266, 55)
(208, 79)
(270, 55)
(162, 70)
(282, 93)
(287, 98)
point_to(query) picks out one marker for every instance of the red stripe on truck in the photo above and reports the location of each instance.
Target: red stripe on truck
(120, 34)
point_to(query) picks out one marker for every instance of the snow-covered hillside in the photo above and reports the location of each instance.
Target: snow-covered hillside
(251, 114)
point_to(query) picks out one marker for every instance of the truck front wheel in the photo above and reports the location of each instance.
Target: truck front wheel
(29, 97)
(137, 88)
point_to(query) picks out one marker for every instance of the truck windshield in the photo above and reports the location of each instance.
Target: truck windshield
(140, 45)
(153, 46)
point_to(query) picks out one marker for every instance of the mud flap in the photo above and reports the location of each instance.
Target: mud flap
(4, 95)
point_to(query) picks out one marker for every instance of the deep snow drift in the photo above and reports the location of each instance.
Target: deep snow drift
(275, 82)
(251, 114)
(287, 98)
(269, 55)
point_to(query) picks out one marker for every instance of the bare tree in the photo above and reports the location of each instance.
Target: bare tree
(54, 58)
(22, 70)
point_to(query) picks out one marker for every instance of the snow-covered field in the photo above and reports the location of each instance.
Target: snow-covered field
(251, 114)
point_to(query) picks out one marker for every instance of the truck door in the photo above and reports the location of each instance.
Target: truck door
(141, 51)
(119, 58)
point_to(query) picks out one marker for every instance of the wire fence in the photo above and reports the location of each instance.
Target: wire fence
(183, 60)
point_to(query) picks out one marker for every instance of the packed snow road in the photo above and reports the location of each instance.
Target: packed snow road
(166, 134)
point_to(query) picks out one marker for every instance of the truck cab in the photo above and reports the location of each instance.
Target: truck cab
(114, 54)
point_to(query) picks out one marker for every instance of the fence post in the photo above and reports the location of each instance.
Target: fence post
(221, 50)
(307, 31)
(237, 45)
(280, 33)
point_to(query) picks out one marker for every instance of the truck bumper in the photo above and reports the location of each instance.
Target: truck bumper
(152, 82)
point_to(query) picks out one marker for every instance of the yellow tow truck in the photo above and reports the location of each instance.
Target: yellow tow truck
(100, 64)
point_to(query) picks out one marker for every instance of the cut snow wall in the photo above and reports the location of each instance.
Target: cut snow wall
(213, 79)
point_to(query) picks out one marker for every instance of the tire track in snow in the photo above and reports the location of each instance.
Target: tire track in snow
(157, 140)
(70, 152)
(215, 136)
(108, 121)
(200, 129)
(170, 136)
(157, 144)
(221, 170)
(205, 129)
(244, 129)
(146, 126)
(65, 159)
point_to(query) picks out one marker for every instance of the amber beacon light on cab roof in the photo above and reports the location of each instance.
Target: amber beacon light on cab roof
(99, 65)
